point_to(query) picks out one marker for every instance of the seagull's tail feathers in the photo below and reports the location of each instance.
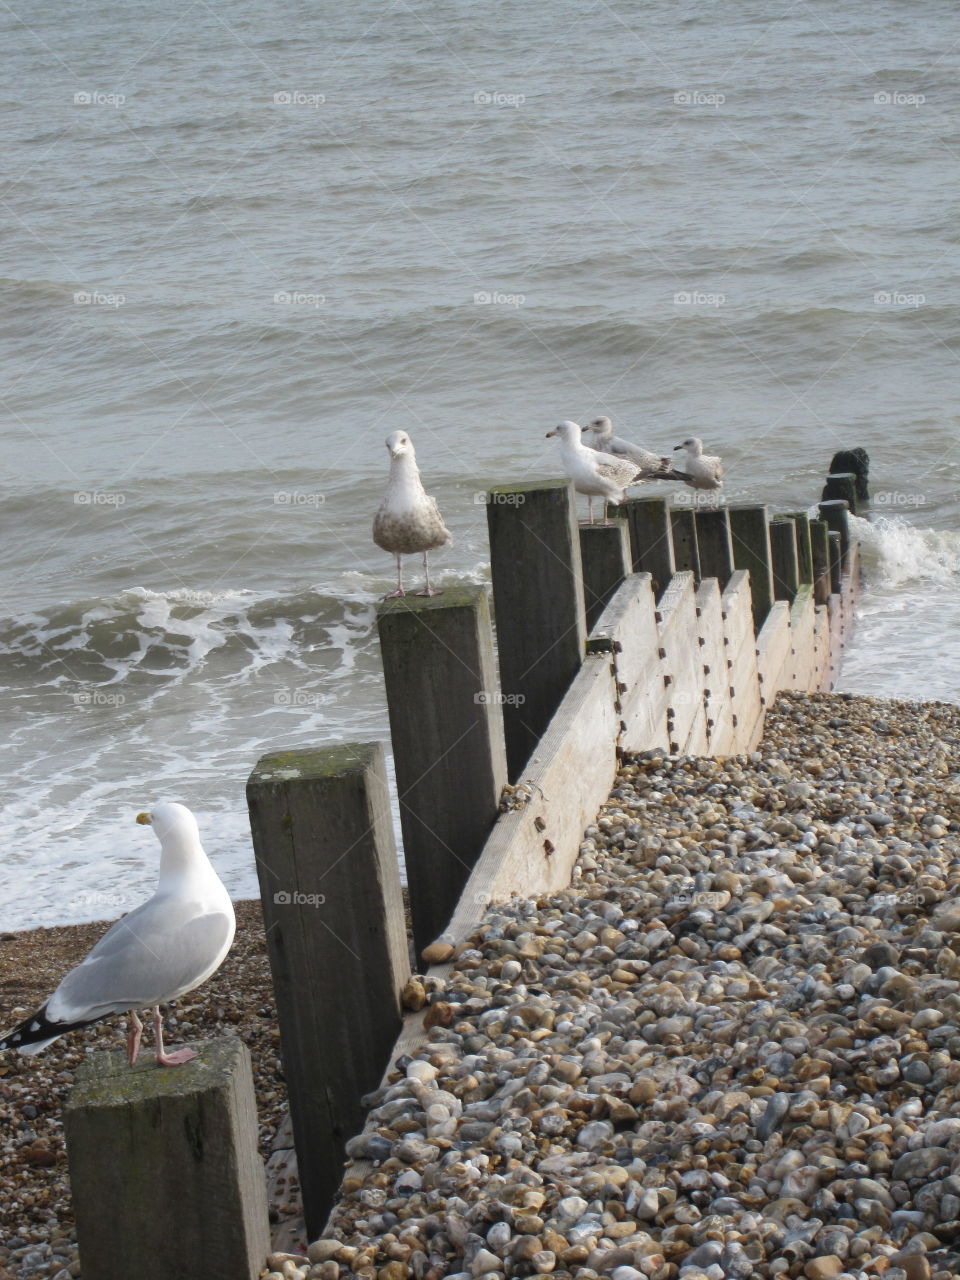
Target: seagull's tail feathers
(36, 1032)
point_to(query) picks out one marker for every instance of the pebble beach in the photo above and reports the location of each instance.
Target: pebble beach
(730, 1049)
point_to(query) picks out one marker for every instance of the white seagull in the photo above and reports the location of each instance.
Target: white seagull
(699, 470)
(598, 434)
(154, 954)
(409, 520)
(598, 475)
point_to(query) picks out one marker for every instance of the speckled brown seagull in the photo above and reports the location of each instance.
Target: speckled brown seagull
(161, 950)
(409, 520)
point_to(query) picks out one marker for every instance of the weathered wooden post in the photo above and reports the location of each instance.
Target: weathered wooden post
(841, 485)
(683, 530)
(751, 551)
(836, 513)
(164, 1167)
(715, 544)
(333, 913)
(783, 548)
(820, 551)
(836, 562)
(538, 604)
(804, 547)
(446, 725)
(605, 556)
(651, 540)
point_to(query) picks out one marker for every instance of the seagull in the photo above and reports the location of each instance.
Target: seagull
(409, 520)
(602, 439)
(152, 955)
(700, 470)
(598, 475)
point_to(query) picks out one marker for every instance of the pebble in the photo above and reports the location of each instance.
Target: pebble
(731, 1048)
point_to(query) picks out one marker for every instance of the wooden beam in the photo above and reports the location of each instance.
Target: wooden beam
(605, 556)
(651, 540)
(751, 551)
(783, 549)
(683, 529)
(715, 544)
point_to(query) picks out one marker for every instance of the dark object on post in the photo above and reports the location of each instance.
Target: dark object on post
(836, 513)
(333, 912)
(820, 547)
(751, 550)
(843, 485)
(446, 726)
(715, 544)
(836, 562)
(783, 547)
(538, 606)
(164, 1167)
(686, 551)
(651, 540)
(605, 556)
(857, 461)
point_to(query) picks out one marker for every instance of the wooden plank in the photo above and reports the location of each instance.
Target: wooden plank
(786, 563)
(446, 725)
(741, 653)
(773, 651)
(715, 544)
(532, 848)
(651, 540)
(683, 530)
(751, 551)
(164, 1167)
(628, 629)
(333, 913)
(803, 673)
(680, 652)
(538, 604)
(716, 692)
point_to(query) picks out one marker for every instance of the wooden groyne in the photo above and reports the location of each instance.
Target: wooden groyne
(670, 629)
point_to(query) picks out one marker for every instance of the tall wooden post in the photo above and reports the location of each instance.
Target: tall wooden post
(333, 912)
(538, 604)
(715, 544)
(836, 513)
(164, 1167)
(842, 485)
(605, 556)
(783, 547)
(751, 551)
(446, 726)
(804, 548)
(686, 551)
(820, 549)
(651, 540)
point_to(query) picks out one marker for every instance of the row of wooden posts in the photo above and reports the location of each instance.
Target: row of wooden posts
(465, 716)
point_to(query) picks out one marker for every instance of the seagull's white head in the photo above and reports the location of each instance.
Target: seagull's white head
(694, 445)
(399, 443)
(171, 822)
(602, 427)
(566, 431)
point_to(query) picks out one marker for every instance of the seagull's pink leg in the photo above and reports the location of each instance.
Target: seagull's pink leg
(428, 590)
(134, 1033)
(168, 1059)
(393, 595)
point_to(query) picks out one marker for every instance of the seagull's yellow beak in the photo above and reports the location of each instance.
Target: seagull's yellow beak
(143, 819)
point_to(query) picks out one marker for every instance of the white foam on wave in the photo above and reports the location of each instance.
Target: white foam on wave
(901, 553)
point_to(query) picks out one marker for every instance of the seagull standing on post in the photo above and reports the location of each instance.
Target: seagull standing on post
(598, 434)
(699, 470)
(409, 520)
(598, 475)
(152, 955)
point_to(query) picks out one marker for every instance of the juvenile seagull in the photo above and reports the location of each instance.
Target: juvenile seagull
(602, 439)
(158, 952)
(598, 475)
(409, 520)
(699, 470)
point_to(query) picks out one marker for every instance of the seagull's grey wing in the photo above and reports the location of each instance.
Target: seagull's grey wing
(152, 955)
(649, 463)
(620, 470)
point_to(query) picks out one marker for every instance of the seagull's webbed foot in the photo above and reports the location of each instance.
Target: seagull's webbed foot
(179, 1056)
(394, 595)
